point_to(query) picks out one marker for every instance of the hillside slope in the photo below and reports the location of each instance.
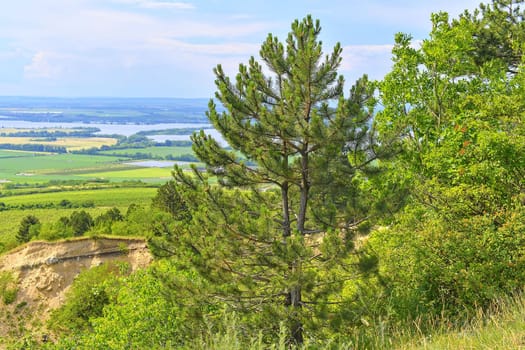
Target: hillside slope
(43, 272)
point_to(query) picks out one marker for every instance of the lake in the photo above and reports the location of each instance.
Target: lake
(106, 129)
(118, 129)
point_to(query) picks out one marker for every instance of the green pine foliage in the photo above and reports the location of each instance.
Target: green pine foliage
(307, 154)
(27, 227)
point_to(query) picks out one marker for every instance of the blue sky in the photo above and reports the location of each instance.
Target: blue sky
(163, 48)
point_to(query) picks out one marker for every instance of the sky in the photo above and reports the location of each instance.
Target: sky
(168, 48)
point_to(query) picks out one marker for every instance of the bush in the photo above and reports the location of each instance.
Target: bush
(450, 268)
(80, 222)
(89, 293)
(140, 316)
(8, 288)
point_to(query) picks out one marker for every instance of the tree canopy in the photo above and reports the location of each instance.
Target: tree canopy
(301, 153)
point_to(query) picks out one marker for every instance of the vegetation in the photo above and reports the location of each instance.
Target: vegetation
(27, 228)
(462, 143)
(86, 299)
(53, 144)
(180, 152)
(327, 222)
(8, 288)
(50, 207)
(251, 244)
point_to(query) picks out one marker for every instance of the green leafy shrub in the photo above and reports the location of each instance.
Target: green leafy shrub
(8, 288)
(89, 293)
(141, 314)
(434, 266)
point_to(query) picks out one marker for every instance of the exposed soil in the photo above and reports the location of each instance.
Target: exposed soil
(45, 270)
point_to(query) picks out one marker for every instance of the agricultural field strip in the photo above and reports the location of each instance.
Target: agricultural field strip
(58, 162)
(135, 172)
(101, 197)
(155, 151)
(18, 154)
(95, 170)
(71, 143)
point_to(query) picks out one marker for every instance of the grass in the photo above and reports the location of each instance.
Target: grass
(37, 162)
(14, 154)
(144, 174)
(501, 327)
(32, 167)
(108, 197)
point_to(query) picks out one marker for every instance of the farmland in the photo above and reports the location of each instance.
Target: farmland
(69, 143)
(58, 156)
(15, 154)
(105, 197)
(145, 174)
(160, 152)
(29, 167)
(48, 206)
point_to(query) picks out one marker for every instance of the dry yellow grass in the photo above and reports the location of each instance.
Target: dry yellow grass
(70, 143)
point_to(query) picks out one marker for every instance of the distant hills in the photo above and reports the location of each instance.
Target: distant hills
(104, 109)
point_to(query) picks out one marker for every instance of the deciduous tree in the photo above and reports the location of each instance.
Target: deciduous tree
(456, 103)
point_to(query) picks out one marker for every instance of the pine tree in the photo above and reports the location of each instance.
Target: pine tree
(24, 230)
(295, 140)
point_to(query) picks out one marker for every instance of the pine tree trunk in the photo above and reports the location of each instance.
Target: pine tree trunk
(293, 301)
(286, 210)
(304, 192)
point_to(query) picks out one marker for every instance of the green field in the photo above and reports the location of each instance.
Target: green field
(15, 154)
(103, 199)
(31, 162)
(29, 167)
(108, 197)
(144, 174)
(155, 151)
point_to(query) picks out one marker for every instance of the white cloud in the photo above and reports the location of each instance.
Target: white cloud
(158, 4)
(103, 43)
(42, 67)
(228, 49)
(374, 60)
(152, 4)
